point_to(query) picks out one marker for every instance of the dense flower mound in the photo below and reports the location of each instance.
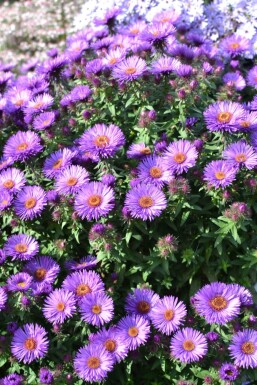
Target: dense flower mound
(128, 206)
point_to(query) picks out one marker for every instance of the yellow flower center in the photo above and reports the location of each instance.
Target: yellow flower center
(30, 203)
(57, 164)
(234, 46)
(83, 289)
(220, 175)
(169, 314)
(60, 306)
(110, 345)
(40, 274)
(180, 157)
(130, 70)
(145, 202)
(21, 247)
(95, 200)
(8, 184)
(240, 158)
(218, 303)
(188, 345)
(96, 309)
(224, 117)
(72, 181)
(21, 284)
(93, 362)
(145, 151)
(22, 146)
(155, 172)
(133, 331)
(30, 343)
(101, 141)
(248, 347)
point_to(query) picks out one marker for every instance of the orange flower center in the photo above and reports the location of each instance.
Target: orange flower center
(101, 141)
(240, 158)
(19, 102)
(72, 181)
(113, 60)
(145, 202)
(22, 146)
(93, 362)
(38, 105)
(145, 151)
(155, 33)
(245, 124)
(60, 306)
(218, 303)
(21, 247)
(180, 157)
(224, 117)
(30, 203)
(135, 31)
(45, 122)
(95, 200)
(21, 284)
(188, 345)
(143, 307)
(133, 331)
(234, 46)
(57, 164)
(169, 314)
(8, 183)
(83, 289)
(96, 309)
(40, 274)
(248, 347)
(155, 172)
(130, 70)
(165, 20)
(5, 202)
(110, 345)
(30, 343)
(220, 175)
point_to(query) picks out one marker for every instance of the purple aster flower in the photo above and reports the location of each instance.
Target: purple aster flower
(19, 282)
(71, 180)
(180, 156)
(83, 282)
(212, 336)
(38, 84)
(12, 326)
(2, 257)
(157, 33)
(29, 343)
(52, 67)
(3, 298)
(184, 71)
(129, 69)
(234, 79)
(43, 269)
(59, 305)
(217, 303)
(12, 180)
(18, 99)
(249, 122)
(30, 202)
(153, 170)
(171, 16)
(96, 308)
(76, 50)
(165, 65)
(13, 379)
(108, 18)
(168, 314)
(234, 45)
(113, 57)
(39, 103)
(43, 120)
(80, 93)
(94, 67)
(141, 302)
(219, 173)
(242, 293)
(58, 161)
(134, 330)
(243, 348)
(224, 116)
(5, 199)
(102, 140)
(21, 246)
(45, 376)
(95, 200)
(92, 363)
(240, 154)
(88, 262)
(228, 372)
(112, 341)
(108, 179)
(145, 202)
(252, 77)
(4, 163)
(138, 151)
(188, 345)
(22, 145)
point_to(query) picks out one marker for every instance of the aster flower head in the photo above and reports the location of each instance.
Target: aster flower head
(96, 308)
(5, 162)
(22, 247)
(228, 372)
(29, 343)
(12, 180)
(243, 348)
(168, 16)
(244, 295)
(71, 180)
(5, 199)
(157, 33)
(43, 269)
(3, 298)
(113, 57)
(217, 303)
(252, 77)
(19, 282)
(12, 379)
(145, 202)
(219, 173)
(83, 282)
(45, 376)
(141, 302)
(92, 363)
(188, 345)
(88, 262)
(134, 330)
(43, 120)
(138, 151)
(22, 145)
(59, 305)
(80, 93)
(129, 69)
(52, 67)
(30, 202)
(112, 341)
(235, 80)
(165, 65)
(39, 103)
(109, 17)
(57, 162)
(93, 201)
(153, 170)
(249, 122)
(102, 140)
(168, 314)
(234, 45)
(240, 154)
(224, 116)
(180, 156)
